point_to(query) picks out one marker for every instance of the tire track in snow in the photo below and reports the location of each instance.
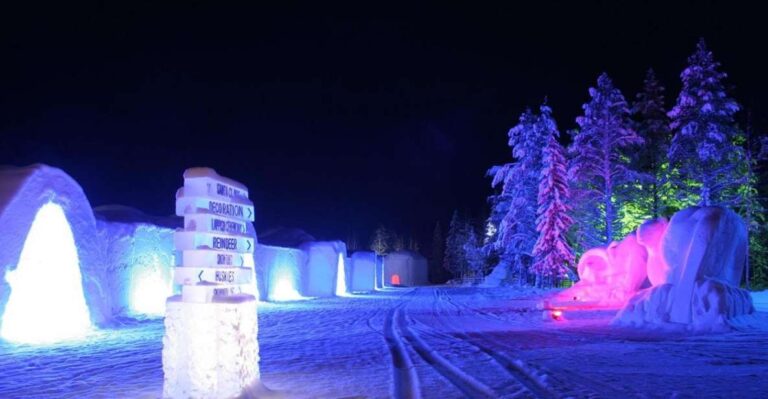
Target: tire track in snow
(532, 380)
(468, 385)
(404, 377)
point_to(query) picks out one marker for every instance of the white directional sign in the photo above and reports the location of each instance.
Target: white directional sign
(202, 182)
(208, 292)
(216, 250)
(217, 302)
(221, 207)
(210, 222)
(217, 275)
(184, 240)
(204, 257)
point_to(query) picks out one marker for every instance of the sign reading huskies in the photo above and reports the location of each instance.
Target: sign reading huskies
(216, 252)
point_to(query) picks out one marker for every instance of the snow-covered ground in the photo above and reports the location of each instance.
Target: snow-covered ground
(443, 342)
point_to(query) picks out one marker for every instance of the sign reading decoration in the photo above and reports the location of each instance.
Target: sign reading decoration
(216, 250)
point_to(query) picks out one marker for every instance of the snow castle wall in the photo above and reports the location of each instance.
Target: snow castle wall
(405, 268)
(280, 272)
(362, 267)
(322, 267)
(140, 258)
(23, 191)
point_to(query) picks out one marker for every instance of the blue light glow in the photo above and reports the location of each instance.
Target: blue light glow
(150, 287)
(283, 287)
(341, 278)
(46, 303)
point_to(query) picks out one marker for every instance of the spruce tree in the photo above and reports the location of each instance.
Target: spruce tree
(455, 260)
(516, 233)
(703, 150)
(650, 159)
(600, 166)
(552, 252)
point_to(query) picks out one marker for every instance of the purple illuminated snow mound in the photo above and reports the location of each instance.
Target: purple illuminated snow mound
(681, 274)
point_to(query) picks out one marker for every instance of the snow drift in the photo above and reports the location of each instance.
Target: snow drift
(405, 268)
(24, 193)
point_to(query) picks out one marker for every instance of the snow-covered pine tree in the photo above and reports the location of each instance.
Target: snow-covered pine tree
(381, 241)
(703, 149)
(474, 255)
(552, 252)
(454, 260)
(516, 233)
(650, 159)
(600, 168)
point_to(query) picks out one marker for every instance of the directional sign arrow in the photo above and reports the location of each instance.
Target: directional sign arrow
(200, 276)
(249, 244)
(250, 212)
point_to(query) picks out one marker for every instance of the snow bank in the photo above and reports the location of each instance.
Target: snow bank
(23, 192)
(139, 256)
(323, 267)
(280, 272)
(405, 268)
(760, 300)
(362, 266)
(704, 249)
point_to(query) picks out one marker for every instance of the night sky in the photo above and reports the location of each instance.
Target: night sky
(337, 117)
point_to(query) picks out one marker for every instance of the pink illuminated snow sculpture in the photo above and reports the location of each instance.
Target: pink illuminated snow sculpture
(609, 276)
(697, 287)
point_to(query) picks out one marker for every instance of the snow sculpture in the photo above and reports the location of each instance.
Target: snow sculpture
(363, 269)
(704, 249)
(609, 276)
(139, 255)
(405, 268)
(43, 205)
(650, 235)
(279, 272)
(322, 267)
(210, 348)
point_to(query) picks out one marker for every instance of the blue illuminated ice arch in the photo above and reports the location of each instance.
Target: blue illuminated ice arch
(50, 265)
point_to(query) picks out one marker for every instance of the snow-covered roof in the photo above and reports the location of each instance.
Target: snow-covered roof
(126, 214)
(14, 178)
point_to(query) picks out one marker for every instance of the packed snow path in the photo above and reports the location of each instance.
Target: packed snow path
(426, 342)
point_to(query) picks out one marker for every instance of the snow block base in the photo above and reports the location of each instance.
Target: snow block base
(714, 306)
(210, 350)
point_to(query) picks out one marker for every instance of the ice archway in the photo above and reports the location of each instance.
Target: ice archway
(39, 205)
(46, 302)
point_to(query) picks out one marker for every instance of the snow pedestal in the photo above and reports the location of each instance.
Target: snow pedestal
(210, 347)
